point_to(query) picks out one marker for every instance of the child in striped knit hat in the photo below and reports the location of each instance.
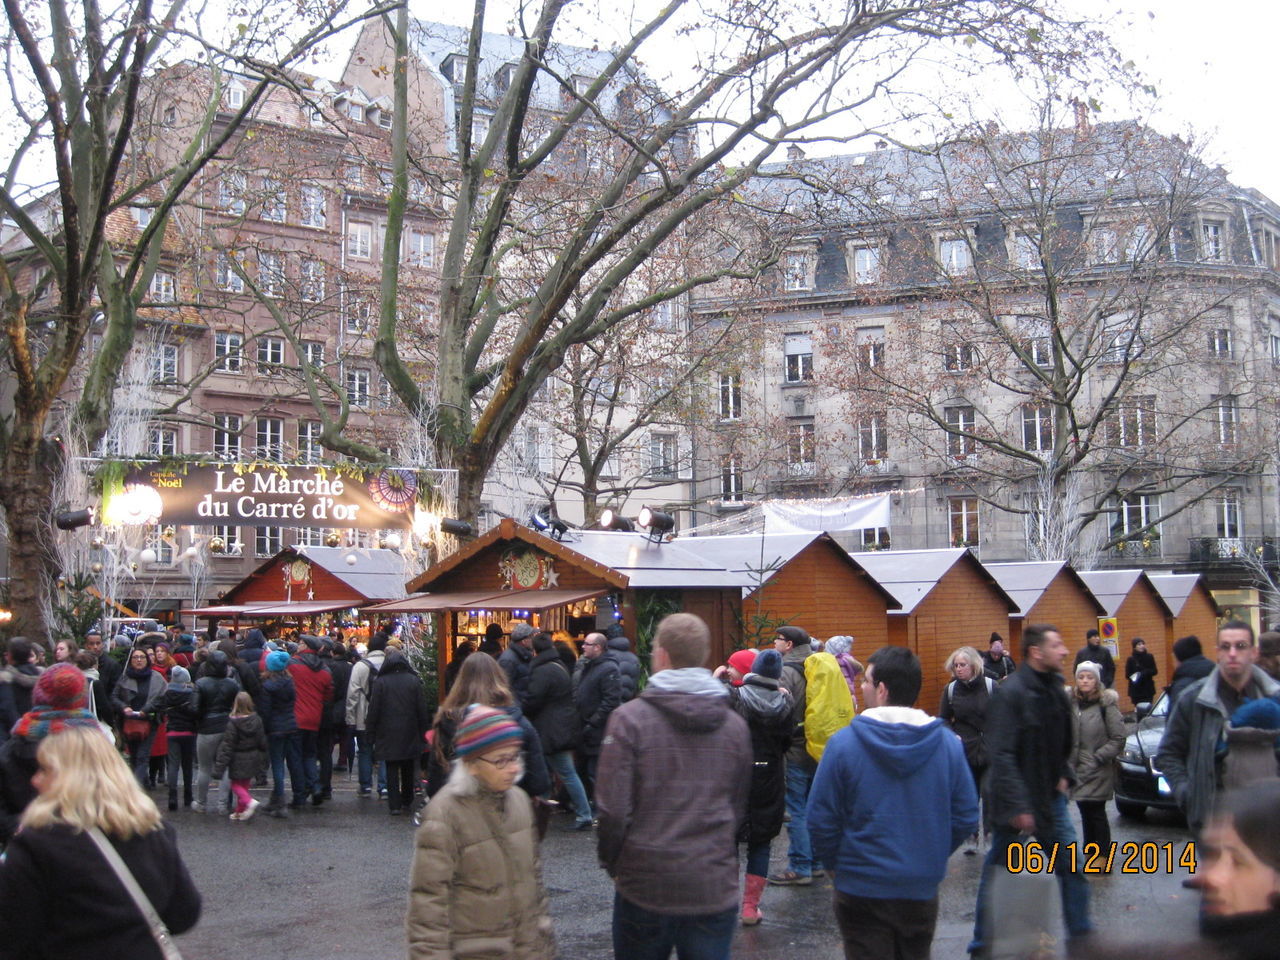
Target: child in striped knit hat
(475, 887)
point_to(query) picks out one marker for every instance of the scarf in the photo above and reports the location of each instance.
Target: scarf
(42, 720)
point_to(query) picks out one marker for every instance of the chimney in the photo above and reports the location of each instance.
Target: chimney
(1082, 117)
(795, 152)
(993, 128)
(881, 144)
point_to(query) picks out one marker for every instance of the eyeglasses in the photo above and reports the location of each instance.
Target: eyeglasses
(504, 763)
(591, 643)
(1242, 645)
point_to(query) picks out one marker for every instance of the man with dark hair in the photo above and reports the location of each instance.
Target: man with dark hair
(674, 775)
(20, 673)
(1095, 652)
(1193, 665)
(891, 762)
(792, 643)
(996, 663)
(108, 666)
(359, 693)
(517, 660)
(1029, 733)
(1190, 754)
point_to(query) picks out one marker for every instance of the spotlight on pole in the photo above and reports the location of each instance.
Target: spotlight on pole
(656, 522)
(544, 520)
(73, 519)
(455, 527)
(610, 520)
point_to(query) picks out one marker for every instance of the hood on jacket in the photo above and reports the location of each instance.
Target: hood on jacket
(250, 722)
(1108, 698)
(309, 660)
(254, 639)
(689, 713)
(799, 653)
(763, 697)
(396, 662)
(619, 644)
(546, 656)
(903, 739)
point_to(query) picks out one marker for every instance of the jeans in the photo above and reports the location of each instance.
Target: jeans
(1072, 884)
(206, 754)
(182, 754)
(640, 934)
(310, 766)
(364, 762)
(562, 764)
(799, 852)
(285, 749)
(758, 859)
(140, 756)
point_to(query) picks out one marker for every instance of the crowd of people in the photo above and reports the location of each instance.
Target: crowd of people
(688, 775)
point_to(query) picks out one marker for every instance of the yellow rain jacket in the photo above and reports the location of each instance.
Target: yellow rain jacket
(828, 705)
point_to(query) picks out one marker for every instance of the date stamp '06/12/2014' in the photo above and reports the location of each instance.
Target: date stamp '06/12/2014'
(1135, 858)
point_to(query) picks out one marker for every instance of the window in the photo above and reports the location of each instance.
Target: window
(228, 352)
(353, 172)
(163, 546)
(1213, 236)
(141, 216)
(1037, 427)
(663, 455)
(386, 396)
(1037, 339)
(962, 516)
(162, 442)
(309, 537)
(1133, 422)
(310, 449)
(1274, 322)
(163, 287)
(480, 128)
(231, 189)
(164, 363)
(1227, 415)
(876, 538)
(313, 207)
(960, 421)
(314, 115)
(1135, 514)
(954, 255)
(275, 202)
(385, 119)
(873, 438)
(359, 240)
(1024, 251)
(226, 436)
(1138, 243)
(234, 96)
(1227, 508)
(313, 353)
(271, 273)
(228, 279)
(358, 381)
(270, 354)
(170, 116)
(730, 396)
(357, 314)
(1220, 343)
(268, 541)
(1106, 245)
(797, 270)
(419, 191)
(270, 434)
(533, 453)
(869, 342)
(958, 356)
(731, 479)
(865, 263)
(420, 248)
(1121, 340)
(455, 68)
(230, 537)
(798, 351)
(800, 449)
(311, 281)
(665, 318)
(355, 111)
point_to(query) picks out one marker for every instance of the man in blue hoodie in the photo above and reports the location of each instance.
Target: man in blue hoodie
(893, 764)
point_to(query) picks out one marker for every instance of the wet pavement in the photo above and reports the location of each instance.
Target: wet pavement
(332, 883)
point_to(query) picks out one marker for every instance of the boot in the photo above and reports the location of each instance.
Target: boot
(173, 799)
(751, 894)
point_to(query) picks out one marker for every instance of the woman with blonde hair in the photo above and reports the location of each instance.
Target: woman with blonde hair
(964, 706)
(63, 898)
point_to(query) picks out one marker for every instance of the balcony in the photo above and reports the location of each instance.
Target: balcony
(1232, 549)
(1149, 548)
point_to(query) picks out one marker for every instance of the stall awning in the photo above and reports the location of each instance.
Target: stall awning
(485, 599)
(272, 608)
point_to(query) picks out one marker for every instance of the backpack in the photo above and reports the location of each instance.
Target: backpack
(828, 703)
(991, 688)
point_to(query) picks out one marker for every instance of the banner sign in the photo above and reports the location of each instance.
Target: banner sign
(265, 495)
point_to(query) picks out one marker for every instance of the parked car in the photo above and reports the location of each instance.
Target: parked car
(1139, 784)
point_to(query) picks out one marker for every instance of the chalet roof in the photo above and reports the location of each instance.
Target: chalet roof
(761, 555)
(1175, 588)
(1112, 587)
(376, 574)
(911, 575)
(1027, 582)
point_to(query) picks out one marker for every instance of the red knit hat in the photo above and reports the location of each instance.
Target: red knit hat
(61, 687)
(743, 661)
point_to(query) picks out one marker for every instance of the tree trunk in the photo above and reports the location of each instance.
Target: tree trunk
(472, 470)
(27, 496)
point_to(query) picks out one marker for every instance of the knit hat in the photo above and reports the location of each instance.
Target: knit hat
(995, 638)
(520, 631)
(1262, 713)
(277, 660)
(179, 675)
(61, 687)
(743, 661)
(484, 728)
(1135, 641)
(838, 645)
(768, 664)
(794, 634)
(313, 643)
(1088, 666)
(1187, 647)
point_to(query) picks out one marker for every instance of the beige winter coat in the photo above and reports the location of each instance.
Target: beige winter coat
(1098, 738)
(475, 891)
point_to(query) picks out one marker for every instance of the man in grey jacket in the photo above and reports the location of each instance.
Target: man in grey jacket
(359, 692)
(1188, 755)
(793, 644)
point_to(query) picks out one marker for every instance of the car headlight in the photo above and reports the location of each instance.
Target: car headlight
(1132, 755)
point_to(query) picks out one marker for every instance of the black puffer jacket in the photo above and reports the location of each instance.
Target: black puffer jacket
(336, 712)
(216, 696)
(551, 708)
(181, 707)
(276, 705)
(767, 710)
(1028, 730)
(516, 661)
(597, 692)
(964, 707)
(17, 767)
(398, 713)
(628, 667)
(1142, 690)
